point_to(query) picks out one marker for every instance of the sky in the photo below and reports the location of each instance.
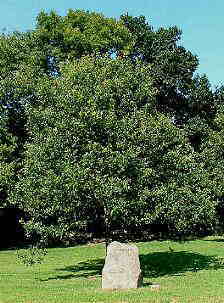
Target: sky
(201, 22)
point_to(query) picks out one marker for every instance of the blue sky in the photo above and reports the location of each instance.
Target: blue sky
(201, 21)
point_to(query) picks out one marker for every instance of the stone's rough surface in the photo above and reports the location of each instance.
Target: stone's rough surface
(122, 267)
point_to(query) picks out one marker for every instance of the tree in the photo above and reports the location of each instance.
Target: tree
(104, 117)
(97, 145)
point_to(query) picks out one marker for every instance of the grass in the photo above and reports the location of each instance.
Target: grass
(192, 271)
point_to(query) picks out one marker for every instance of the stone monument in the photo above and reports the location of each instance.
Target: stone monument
(122, 267)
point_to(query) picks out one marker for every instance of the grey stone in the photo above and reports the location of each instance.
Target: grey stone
(122, 267)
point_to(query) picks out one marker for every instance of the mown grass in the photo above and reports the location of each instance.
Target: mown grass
(192, 271)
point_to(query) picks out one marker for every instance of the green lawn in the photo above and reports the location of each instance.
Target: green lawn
(192, 272)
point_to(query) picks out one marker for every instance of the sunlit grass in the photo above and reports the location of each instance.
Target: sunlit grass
(186, 272)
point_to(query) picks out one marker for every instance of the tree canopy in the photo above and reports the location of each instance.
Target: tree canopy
(105, 118)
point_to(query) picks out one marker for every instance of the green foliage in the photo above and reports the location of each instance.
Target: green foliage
(82, 33)
(7, 161)
(189, 100)
(212, 157)
(103, 118)
(26, 58)
(97, 145)
(172, 65)
(20, 67)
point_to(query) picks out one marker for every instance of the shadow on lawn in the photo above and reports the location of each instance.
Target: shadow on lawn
(153, 265)
(87, 269)
(176, 263)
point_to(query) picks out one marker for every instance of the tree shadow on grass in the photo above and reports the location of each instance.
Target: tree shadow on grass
(86, 269)
(153, 265)
(177, 263)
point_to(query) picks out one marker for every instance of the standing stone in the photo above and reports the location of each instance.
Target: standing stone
(122, 267)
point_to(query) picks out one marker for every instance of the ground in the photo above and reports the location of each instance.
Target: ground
(192, 271)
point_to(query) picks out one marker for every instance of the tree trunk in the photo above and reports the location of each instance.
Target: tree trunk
(107, 228)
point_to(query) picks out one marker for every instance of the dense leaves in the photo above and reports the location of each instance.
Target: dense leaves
(104, 120)
(189, 100)
(80, 33)
(98, 146)
(7, 161)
